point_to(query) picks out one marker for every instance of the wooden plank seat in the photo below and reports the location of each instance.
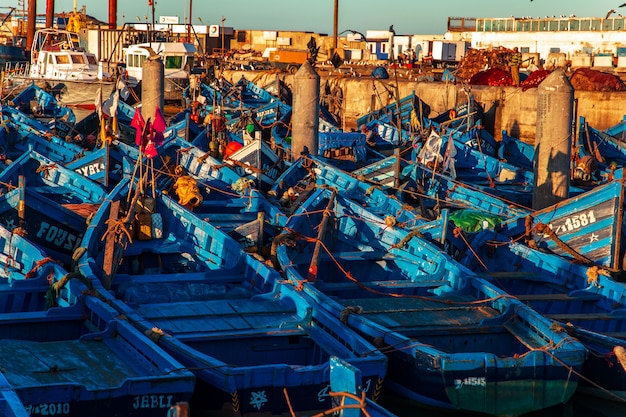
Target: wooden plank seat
(390, 284)
(565, 317)
(559, 297)
(210, 276)
(347, 256)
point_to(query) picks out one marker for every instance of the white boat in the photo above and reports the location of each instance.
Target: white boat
(58, 62)
(177, 59)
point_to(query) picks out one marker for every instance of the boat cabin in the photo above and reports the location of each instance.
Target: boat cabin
(56, 56)
(178, 60)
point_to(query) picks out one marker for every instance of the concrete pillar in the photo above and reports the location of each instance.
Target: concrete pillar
(49, 13)
(553, 141)
(305, 111)
(152, 82)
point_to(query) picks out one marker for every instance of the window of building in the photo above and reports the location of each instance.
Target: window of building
(534, 26)
(574, 25)
(563, 25)
(585, 24)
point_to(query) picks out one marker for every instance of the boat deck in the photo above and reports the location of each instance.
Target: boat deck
(423, 314)
(222, 318)
(90, 363)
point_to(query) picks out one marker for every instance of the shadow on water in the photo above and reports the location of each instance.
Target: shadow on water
(581, 406)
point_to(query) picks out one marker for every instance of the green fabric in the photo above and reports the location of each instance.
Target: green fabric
(250, 128)
(474, 221)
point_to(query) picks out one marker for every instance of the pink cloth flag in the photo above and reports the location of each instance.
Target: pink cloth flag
(158, 127)
(139, 124)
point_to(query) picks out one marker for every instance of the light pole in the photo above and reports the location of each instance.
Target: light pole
(190, 22)
(335, 24)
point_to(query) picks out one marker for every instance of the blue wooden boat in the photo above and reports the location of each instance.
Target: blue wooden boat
(80, 360)
(37, 102)
(436, 190)
(311, 172)
(584, 298)
(606, 149)
(245, 333)
(588, 227)
(450, 336)
(28, 275)
(410, 111)
(48, 203)
(477, 168)
(23, 134)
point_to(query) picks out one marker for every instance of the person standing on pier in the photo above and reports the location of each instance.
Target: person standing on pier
(514, 63)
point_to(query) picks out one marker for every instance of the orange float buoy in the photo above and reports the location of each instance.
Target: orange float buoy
(231, 148)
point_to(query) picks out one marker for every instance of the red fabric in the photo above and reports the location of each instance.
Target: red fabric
(493, 77)
(138, 123)
(158, 127)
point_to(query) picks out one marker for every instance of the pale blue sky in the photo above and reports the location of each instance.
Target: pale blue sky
(407, 16)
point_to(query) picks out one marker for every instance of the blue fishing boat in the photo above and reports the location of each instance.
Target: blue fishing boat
(585, 298)
(80, 360)
(23, 133)
(604, 150)
(451, 337)
(588, 227)
(245, 333)
(37, 102)
(29, 275)
(436, 190)
(48, 203)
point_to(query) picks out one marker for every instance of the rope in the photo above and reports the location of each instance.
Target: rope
(55, 287)
(116, 227)
(38, 264)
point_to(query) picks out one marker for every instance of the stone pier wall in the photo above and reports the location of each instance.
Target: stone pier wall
(506, 108)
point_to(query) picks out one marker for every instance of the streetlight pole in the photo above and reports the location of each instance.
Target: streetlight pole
(152, 32)
(335, 24)
(189, 25)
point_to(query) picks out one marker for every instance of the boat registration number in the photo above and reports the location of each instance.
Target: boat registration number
(474, 381)
(54, 409)
(152, 401)
(572, 223)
